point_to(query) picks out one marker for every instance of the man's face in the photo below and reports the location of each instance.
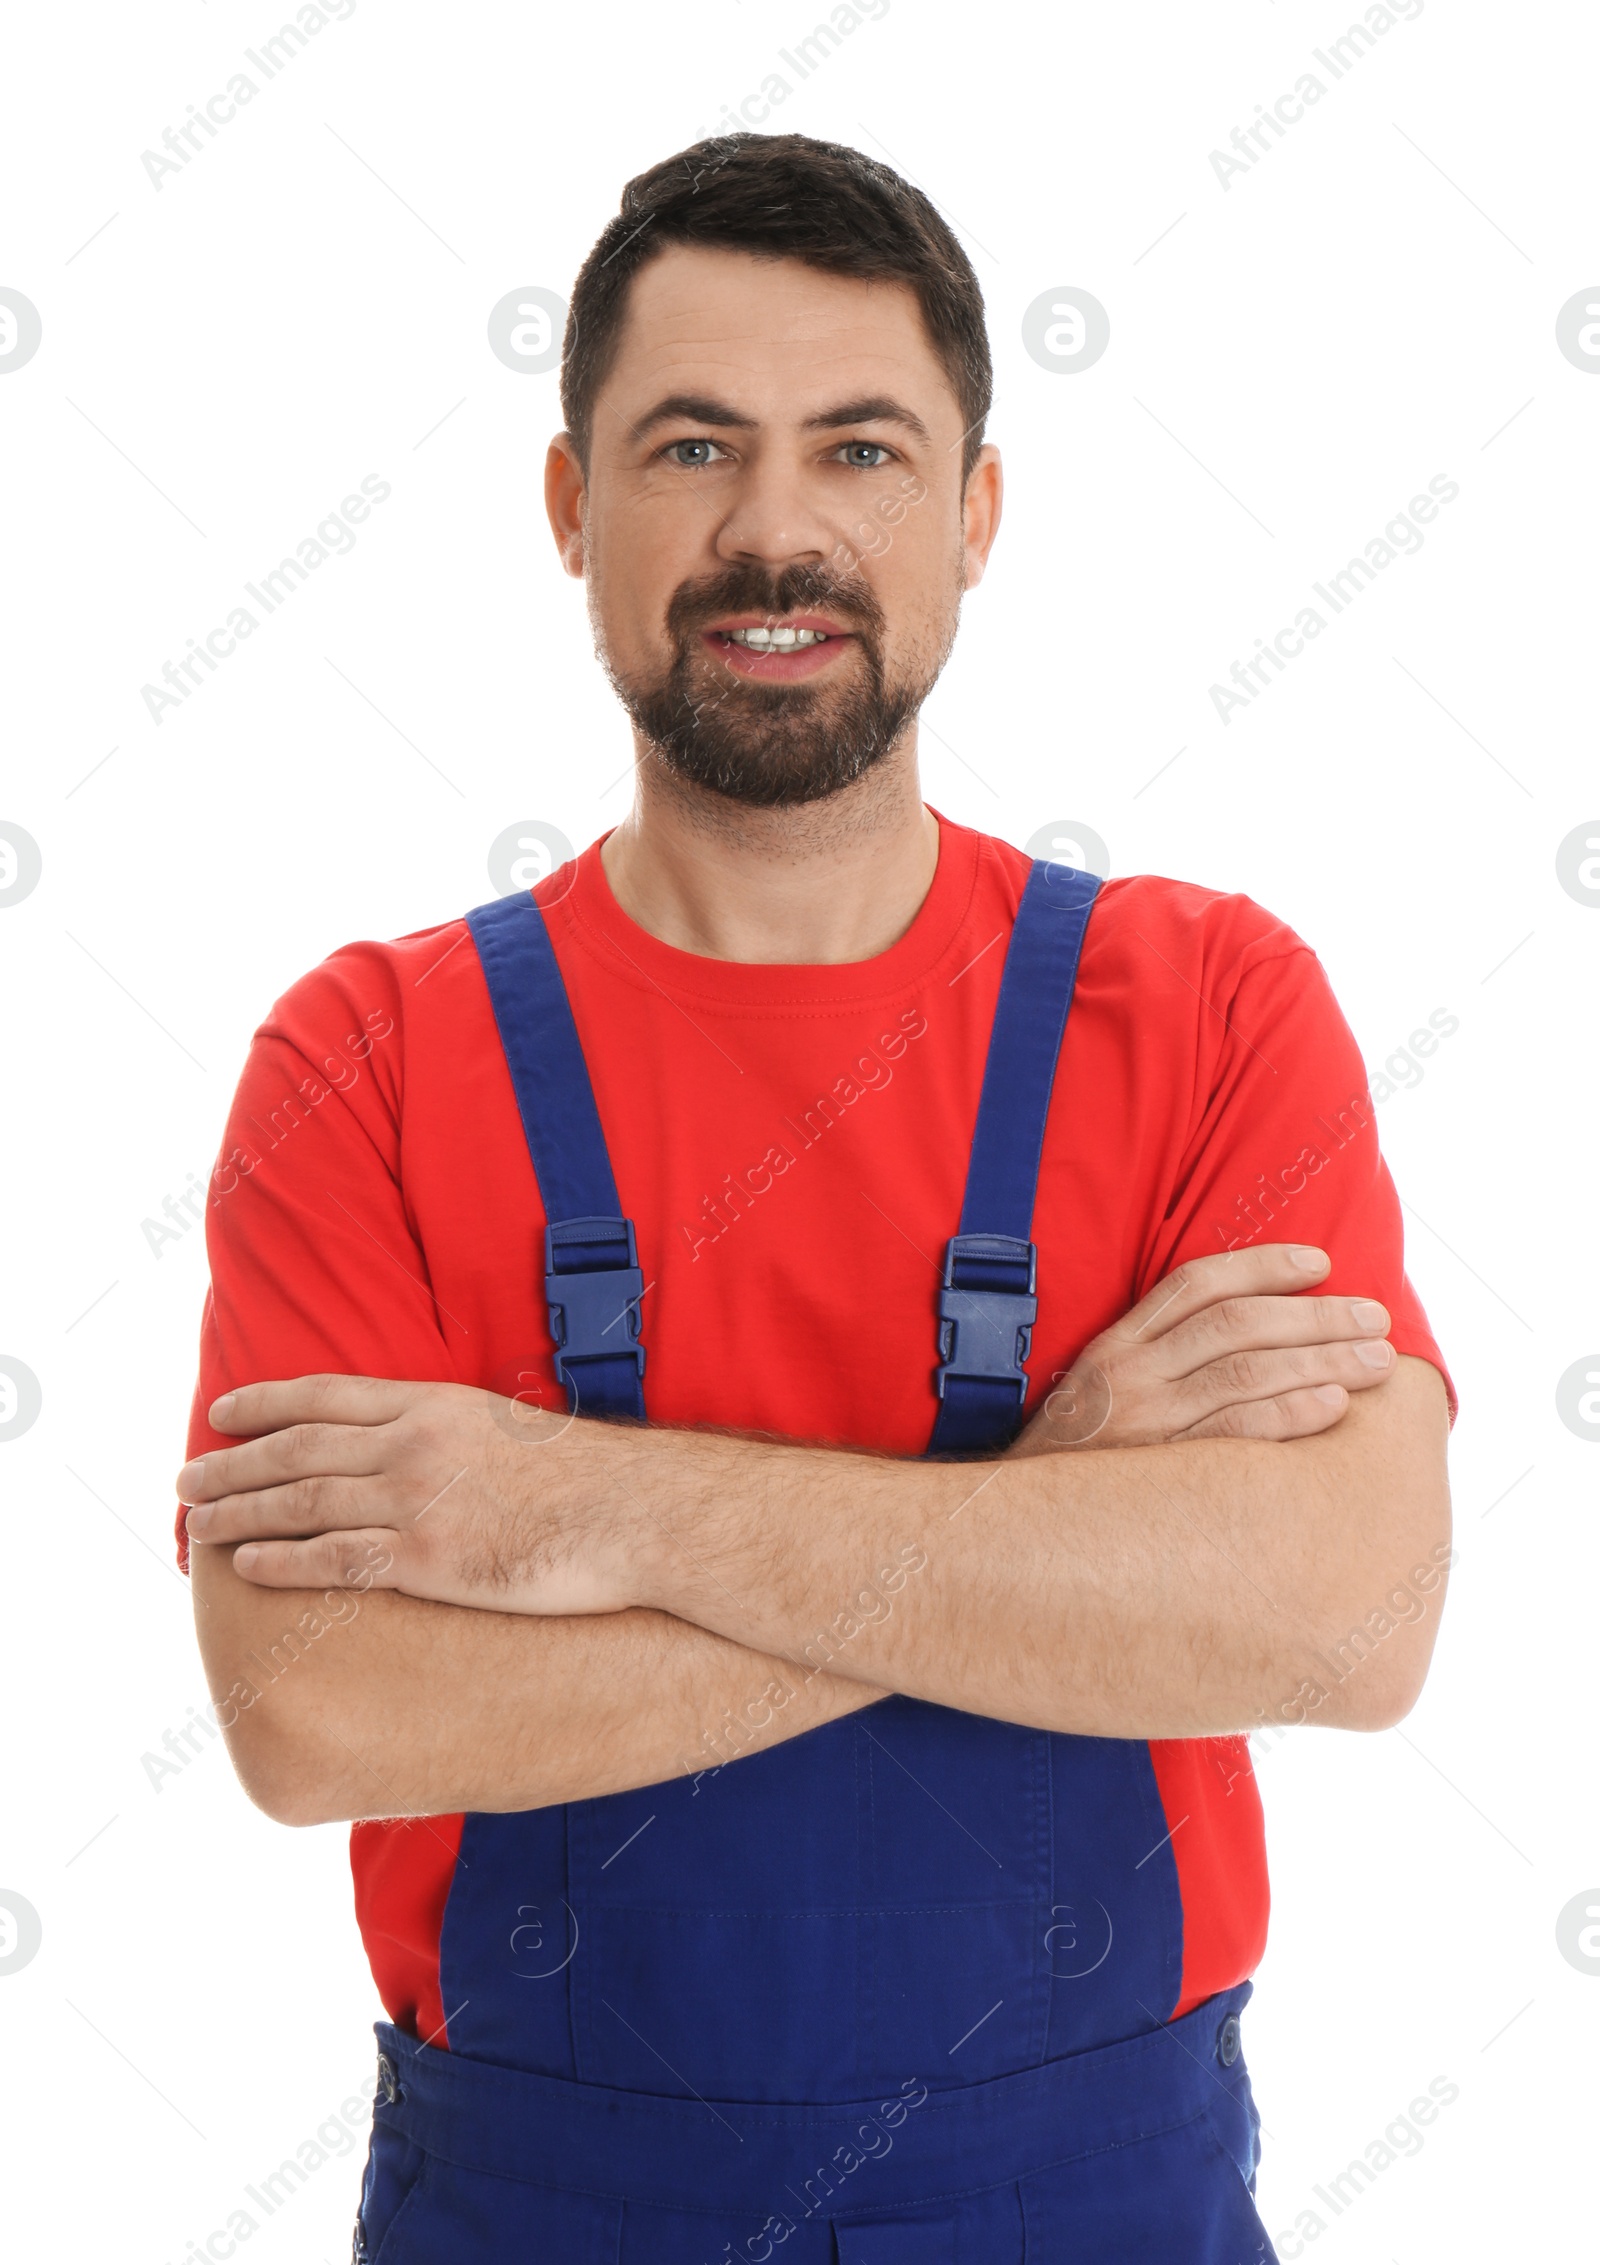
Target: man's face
(773, 529)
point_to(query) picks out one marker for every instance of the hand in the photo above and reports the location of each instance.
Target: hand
(355, 1482)
(1222, 1348)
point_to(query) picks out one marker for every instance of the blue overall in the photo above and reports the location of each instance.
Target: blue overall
(895, 1992)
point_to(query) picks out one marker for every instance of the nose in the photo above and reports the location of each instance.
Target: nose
(776, 519)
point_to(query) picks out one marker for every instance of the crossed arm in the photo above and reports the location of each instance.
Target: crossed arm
(444, 1601)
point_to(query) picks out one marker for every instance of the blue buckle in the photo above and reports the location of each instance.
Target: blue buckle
(987, 1310)
(594, 1298)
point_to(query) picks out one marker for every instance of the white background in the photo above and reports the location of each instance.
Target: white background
(1292, 357)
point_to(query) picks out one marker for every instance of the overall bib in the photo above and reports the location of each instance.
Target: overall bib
(895, 1992)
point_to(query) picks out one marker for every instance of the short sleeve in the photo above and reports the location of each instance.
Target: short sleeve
(1286, 1148)
(315, 1267)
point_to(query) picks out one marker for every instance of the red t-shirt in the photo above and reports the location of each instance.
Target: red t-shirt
(791, 1143)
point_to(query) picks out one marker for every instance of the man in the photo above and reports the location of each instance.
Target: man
(773, 1412)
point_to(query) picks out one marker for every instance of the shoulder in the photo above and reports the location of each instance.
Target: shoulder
(1144, 921)
(1190, 972)
(1178, 974)
(355, 1020)
(368, 982)
(1149, 917)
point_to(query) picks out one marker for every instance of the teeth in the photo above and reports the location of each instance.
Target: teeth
(779, 640)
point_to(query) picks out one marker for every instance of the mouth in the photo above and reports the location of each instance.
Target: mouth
(778, 649)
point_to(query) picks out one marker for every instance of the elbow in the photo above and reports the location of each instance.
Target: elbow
(1372, 1665)
(293, 1801)
(1384, 1700)
(1375, 1552)
(1353, 1686)
(280, 1771)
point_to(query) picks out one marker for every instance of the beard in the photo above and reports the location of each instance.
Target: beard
(775, 746)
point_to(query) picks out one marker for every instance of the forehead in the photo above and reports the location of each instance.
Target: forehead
(771, 331)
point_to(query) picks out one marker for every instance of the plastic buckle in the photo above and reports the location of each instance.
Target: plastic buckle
(594, 1308)
(987, 1309)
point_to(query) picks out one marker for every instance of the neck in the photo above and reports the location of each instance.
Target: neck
(821, 884)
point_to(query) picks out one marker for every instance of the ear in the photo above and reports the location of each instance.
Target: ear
(980, 512)
(565, 493)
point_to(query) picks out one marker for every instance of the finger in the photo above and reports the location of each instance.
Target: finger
(304, 1506)
(311, 1399)
(1263, 1270)
(1243, 1325)
(304, 1450)
(1290, 1415)
(1243, 1377)
(362, 1559)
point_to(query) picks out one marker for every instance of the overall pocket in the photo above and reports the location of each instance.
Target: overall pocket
(395, 2166)
(453, 2216)
(1177, 2196)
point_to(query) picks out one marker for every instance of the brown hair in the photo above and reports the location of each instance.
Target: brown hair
(784, 196)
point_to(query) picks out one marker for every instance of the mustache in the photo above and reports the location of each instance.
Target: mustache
(749, 588)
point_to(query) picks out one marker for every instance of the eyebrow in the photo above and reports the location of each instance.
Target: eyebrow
(705, 409)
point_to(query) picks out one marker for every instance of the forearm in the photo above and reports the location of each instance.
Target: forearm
(1187, 1588)
(1172, 1591)
(399, 1706)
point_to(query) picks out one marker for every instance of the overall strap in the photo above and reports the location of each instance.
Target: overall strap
(987, 1305)
(592, 1279)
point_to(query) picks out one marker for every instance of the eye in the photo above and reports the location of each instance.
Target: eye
(691, 463)
(855, 452)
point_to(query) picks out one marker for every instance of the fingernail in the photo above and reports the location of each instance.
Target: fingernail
(1374, 1352)
(221, 1410)
(244, 1558)
(200, 1516)
(1329, 1394)
(191, 1477)
(1308, 1257)
(1366, 1313)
